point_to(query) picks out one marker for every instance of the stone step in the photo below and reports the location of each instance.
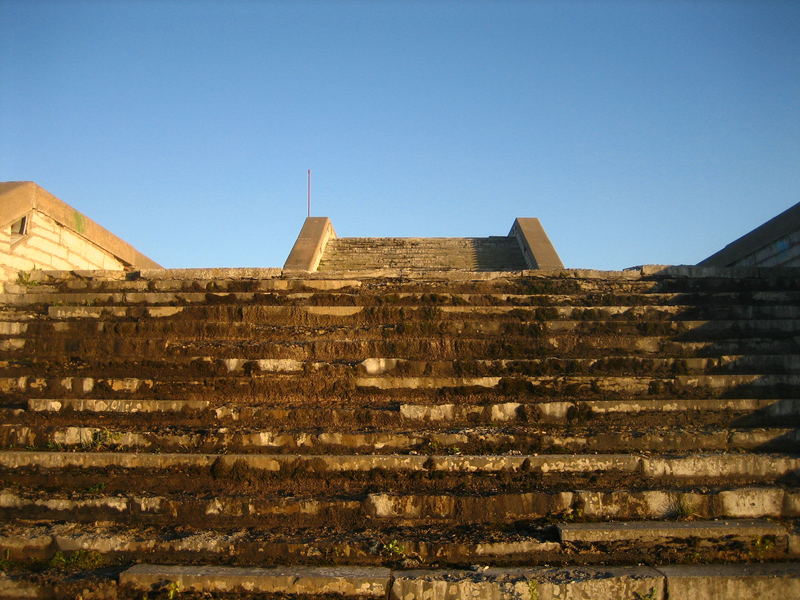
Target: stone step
(216, 310)
(524, 439)
(272, 387)
(396, 415)
(406, 547)
(770, 581)
(720, 467)
(764, 364)
(467, 253)
(382, 297)
(380, 509)
(470, 336)
(343, 581)
(354, 349)
(651, 531)
(775, 581)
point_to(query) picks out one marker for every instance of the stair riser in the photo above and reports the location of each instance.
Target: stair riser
(408, 510)
(257, 551)
(466, 443)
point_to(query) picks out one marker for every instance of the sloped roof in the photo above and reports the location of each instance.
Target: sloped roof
(777, 227)
(18, 198)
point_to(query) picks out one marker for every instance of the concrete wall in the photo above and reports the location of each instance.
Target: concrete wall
(776, 243)
(310, 244)
(49, 245)
(56, 236)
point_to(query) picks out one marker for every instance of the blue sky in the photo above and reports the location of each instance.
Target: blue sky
(638, 132)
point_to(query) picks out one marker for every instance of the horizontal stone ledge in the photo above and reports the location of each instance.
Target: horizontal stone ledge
(737, 503)
(764, 581)
(501, 412)
(760, 466)
(370, 582)
(648, 531)
(115, 405)
(324, 463)
(536, 583)
(770, 581)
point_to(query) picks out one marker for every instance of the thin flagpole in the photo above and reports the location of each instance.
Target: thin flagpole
(308, 193)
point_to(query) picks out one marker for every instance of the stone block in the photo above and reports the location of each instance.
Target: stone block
(750, 502)
(361, 582)
(779, 581)
(648, 531)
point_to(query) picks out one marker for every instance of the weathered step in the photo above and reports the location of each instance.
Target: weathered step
(386, 297)
(650, 531)
(775, 581)
(133, 346)
(525, 439)
(770, 581)
(719, 467)
(400, 414)
(409, 547)
(478, 368)
(227, 327)
(116, 405)
(409, 509)
(346, 582)
(270, 387)
(245, 310)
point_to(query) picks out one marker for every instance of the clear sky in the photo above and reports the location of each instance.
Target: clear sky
(638, 132)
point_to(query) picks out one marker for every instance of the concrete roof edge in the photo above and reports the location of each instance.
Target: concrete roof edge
(17, 202)
(777, 227)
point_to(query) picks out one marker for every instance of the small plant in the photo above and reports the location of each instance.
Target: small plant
(81, 560)
(24, 278)
(394, 549)
(172, 590)
(533, 590)
(680, 508)
(763, 545)
(5, 562)
(100, 439)
(650, 595)
(97, 487)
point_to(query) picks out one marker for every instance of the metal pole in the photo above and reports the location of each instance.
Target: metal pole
(308, 193)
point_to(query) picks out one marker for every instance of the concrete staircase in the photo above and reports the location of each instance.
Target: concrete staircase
(249, 433)
(470, 254)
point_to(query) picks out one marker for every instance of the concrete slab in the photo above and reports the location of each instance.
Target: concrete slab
(656, 530)
(575, 583)
(778, 581)
(369, 582)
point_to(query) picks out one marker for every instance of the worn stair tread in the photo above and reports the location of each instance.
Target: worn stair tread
(707, 465)
(510, 438)
(650, 530)
(405, 508)
(361, 582)
(454, 413)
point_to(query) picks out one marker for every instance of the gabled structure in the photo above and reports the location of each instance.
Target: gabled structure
(776, 243)
(525, 247)
(39, 231)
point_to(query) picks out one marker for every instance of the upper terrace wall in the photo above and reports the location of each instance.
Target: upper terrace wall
(39, 231)
(776, 243)
(48, 245)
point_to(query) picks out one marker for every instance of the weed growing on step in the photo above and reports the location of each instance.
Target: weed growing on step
(650, 595)
(680, 508)
(170, 591)
(100, 439)
(80, 560)
(24, 278)
(763, 545)
(533, 590)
